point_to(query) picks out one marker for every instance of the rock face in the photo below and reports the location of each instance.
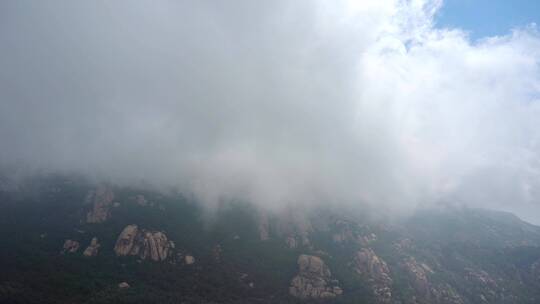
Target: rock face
(93, 248)
(313, 280)
(102, 201)
(70, 246)
(418, 277)
(152, 245)
(126, 240)
(352, 233)
(375, 270)
(295, 228)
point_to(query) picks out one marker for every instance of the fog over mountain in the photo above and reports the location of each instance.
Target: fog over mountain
(274, 102)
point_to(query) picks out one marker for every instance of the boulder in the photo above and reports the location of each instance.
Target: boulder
(155, 246)
(126, 240)
(313, 280)
(102, 201)
(70, 246)
(123, 285)
(92, 249)
(152, 245)
(189, 259)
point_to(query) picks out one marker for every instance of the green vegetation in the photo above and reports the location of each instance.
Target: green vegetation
(37, 219)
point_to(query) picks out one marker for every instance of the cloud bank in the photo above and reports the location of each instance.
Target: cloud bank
(336, 102)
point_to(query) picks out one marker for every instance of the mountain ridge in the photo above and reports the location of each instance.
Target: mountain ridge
(241, 254)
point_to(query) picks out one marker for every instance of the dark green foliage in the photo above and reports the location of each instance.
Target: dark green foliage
(45, 211)
(52, 210)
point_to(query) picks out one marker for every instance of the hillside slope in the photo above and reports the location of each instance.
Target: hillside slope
(67, 240)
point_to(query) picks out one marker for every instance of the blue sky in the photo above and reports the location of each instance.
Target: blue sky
(483, 18)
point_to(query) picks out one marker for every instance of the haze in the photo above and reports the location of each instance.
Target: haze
(275, 102)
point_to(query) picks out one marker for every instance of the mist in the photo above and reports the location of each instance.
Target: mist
(343, 103)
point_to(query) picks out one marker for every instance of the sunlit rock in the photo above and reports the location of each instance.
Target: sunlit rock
(93, 248)
(313, 279)
(152, 245)
(375, 270)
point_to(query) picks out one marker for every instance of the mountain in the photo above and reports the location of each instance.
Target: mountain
(69, 240)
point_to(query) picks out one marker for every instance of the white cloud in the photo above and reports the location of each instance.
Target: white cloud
(279, 102)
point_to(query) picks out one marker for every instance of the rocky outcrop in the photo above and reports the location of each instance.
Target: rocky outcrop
(126, 240)
(313, 280)
(155, 246)
(291, 226)
(92, 249)
(375, 270)
(102, 201)
(481, 277)
(344, 232)
(425, 292)
(70, 246)
(350, 232)
(446, 294)
(418, 277)
(484, 285)
(295, 229)
(152, 245)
